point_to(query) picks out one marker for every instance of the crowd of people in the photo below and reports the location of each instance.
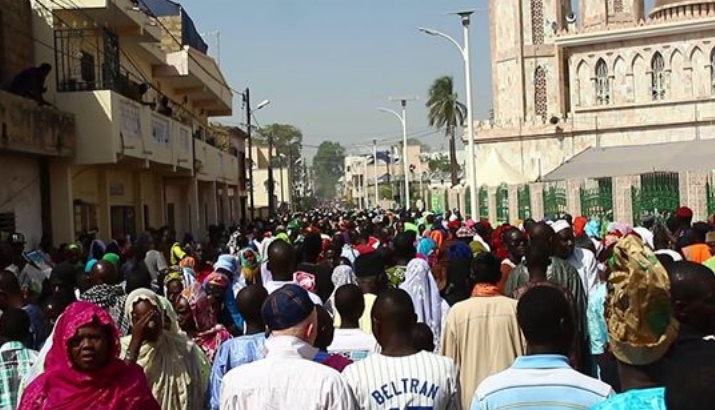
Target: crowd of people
(334, 309)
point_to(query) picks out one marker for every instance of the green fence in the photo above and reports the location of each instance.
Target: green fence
(483, 203)
(468, 201)
(710, 192)
(524, 199)
(658, 195)
(554, 201)
(597, 199)
(502, 204)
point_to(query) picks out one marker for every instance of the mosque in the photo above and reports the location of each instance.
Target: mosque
(609, 76)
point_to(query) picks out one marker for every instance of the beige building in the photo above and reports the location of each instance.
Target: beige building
(614, 75)
(33, 137)
(611, 76)
(281, 180)
(142, 89)
(360, 172)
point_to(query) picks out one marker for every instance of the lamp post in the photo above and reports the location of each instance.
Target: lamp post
(403, 121)
(374, 168)
(471, 155)
(249, 126)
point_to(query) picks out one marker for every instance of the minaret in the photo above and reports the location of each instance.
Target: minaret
(605, 12)
(526, 67)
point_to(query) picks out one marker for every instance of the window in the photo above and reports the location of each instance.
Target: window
(712, 72)
(540, 99)
(85, 217)
(658, 87)
(603, 87)
(618, 6)
(537, 22)
(7, 225)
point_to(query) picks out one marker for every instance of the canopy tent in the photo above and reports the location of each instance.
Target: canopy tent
(598, 162)
(494, 171)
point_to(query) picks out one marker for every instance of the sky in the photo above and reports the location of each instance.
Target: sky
(327, 65)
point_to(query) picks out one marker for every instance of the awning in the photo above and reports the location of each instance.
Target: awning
(494, 171)
(637, 159)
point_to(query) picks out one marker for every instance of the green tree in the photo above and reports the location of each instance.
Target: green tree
(439, 163)
(412, 141)
(328, 167)
(446, 113)
(287, 142)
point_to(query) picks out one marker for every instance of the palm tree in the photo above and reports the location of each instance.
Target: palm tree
(447, 113)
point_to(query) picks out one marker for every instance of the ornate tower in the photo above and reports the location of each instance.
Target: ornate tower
(527, 70)
(604, 12)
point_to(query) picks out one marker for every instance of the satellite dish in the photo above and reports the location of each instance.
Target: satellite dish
(571, 18)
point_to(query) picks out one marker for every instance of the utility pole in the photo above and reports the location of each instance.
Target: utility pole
(271, 182)
(247, 104)
(374, 168)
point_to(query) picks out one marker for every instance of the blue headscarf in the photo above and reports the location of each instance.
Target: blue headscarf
(459, 250)
(593, 228)
(229, 266)
(426, 246)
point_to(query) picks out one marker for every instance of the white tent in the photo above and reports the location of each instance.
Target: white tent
(493, 171)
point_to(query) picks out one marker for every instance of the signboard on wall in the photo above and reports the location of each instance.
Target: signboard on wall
(129, 120)
(116, 189)
(160, 130)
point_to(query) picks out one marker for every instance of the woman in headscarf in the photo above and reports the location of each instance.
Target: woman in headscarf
(177, 254)
(342, 275)
(172, 363)
(199, 321)
(223, 301)
(83, 369)
(173, 284)
(96, 249)
(250, 265)
(423, 290)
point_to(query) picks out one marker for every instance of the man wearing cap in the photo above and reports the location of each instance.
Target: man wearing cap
(287, 378)
(583, 260)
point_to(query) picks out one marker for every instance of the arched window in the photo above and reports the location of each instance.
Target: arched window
(540, 101)
(537, 21)
(618, 6)
(657, 79)
(603, 86)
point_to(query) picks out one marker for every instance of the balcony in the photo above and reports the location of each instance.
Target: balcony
(113, 128)
(29, 128)
(123, 17)
(212, 164)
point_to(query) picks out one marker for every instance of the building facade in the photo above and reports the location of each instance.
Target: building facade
(610, 76)
(142, 89)
(33, 136)
(615, 75)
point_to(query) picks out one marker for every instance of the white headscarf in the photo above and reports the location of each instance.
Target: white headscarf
(646, 235)
(423, 290)
(342, 275)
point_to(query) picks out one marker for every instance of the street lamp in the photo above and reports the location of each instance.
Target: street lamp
(403, 121)
(249, 116)
(471, 157)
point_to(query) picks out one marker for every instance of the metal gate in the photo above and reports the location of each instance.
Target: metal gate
(554, 201)
(483, 203)
(710, 192)
(524, 199)
(502, 204)
(597, 198)
(658, 196)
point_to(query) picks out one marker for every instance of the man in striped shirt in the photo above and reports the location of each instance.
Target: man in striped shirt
(401, 377)
(543, 379)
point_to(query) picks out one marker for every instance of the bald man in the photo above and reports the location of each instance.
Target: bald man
(401, 376)
(243, 349)
(105, 292)
(282, 266)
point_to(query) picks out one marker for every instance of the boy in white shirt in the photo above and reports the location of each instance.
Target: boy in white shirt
(349, 340)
